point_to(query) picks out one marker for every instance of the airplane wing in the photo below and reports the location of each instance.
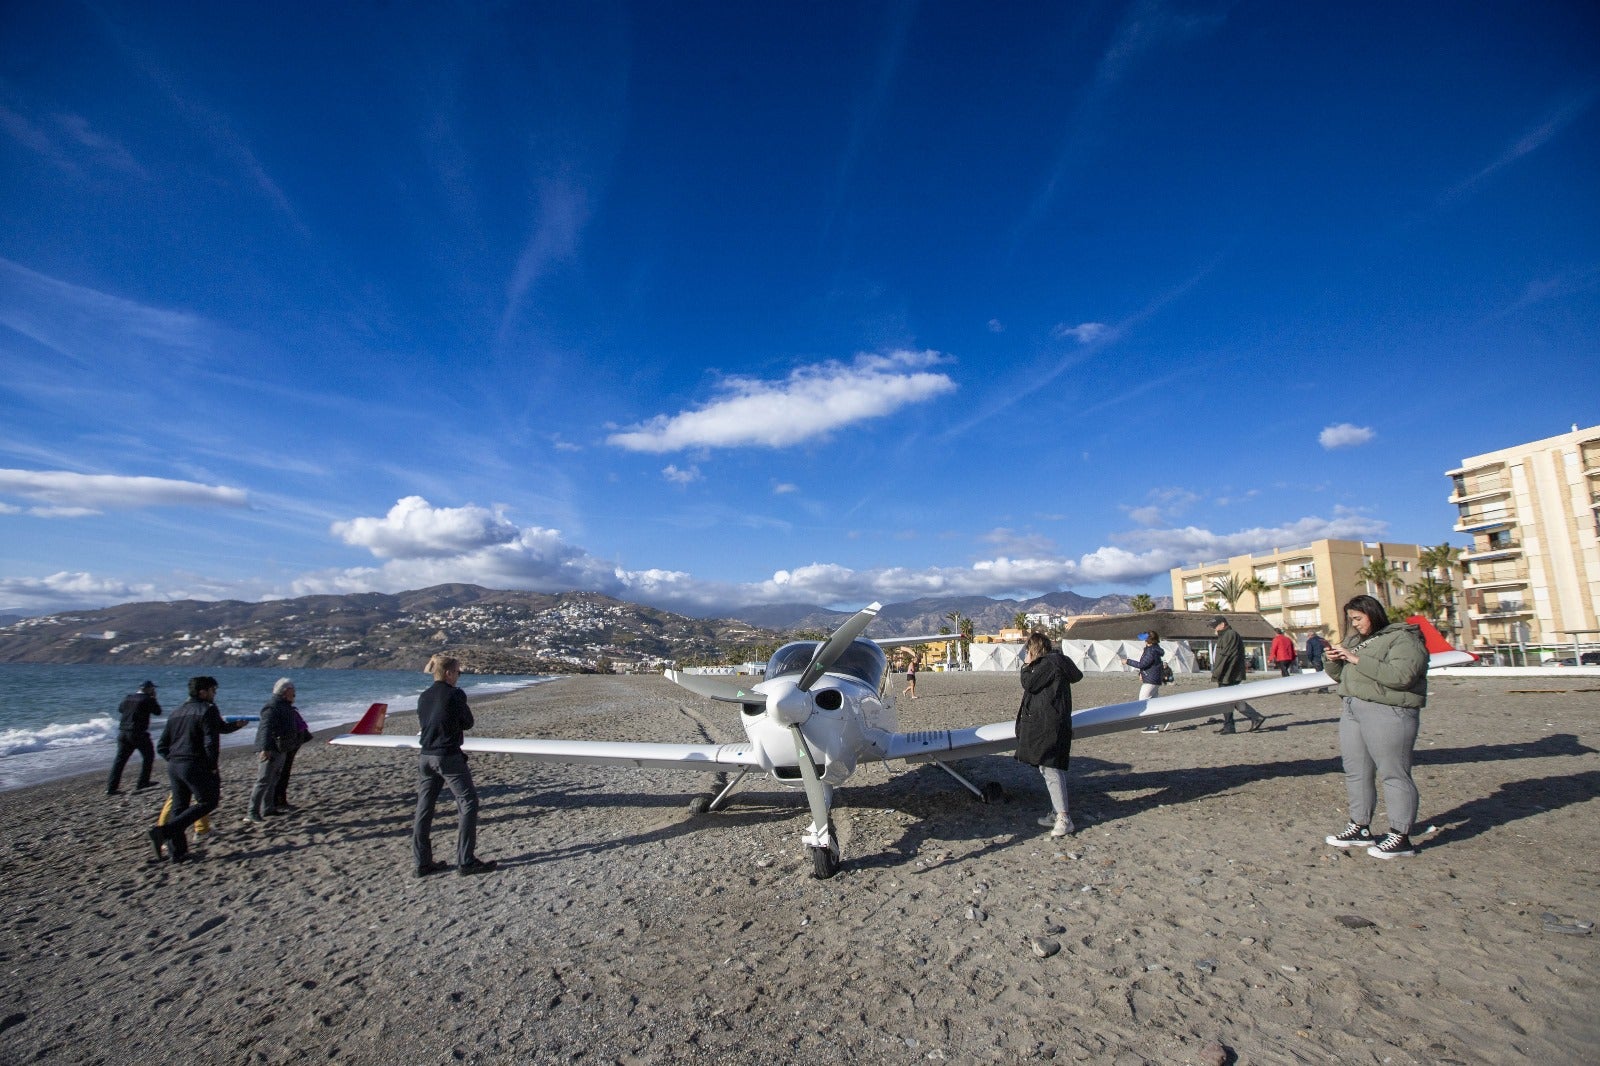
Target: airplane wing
(906, 642)
(702, 757)
(946, 744)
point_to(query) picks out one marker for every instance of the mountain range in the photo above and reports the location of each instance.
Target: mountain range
(490, 631)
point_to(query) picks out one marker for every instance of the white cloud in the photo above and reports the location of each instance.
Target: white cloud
(783, 488)
(64, 494)
(811, 403)
(996, 326)
(415, 529)
(685, 476)
(68, 590)
(1344, 435)
(1084, 332)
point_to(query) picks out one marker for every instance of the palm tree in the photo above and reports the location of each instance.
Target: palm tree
(1382, 573)
(1442, 561)
(1228, 589)
(967, 631)
(1255, 587)
(1429, 597)
(1020, 621)
(1142, 603)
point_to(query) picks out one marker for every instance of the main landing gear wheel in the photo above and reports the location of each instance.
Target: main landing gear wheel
(700, 804)
(825, 861)
(994, 793)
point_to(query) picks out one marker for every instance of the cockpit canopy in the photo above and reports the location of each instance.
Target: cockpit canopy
(862, 660)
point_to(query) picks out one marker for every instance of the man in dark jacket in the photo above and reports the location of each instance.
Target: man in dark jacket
(275, 737)
(1227, 670)
(133, 735)
(444, 718)
(192, 745)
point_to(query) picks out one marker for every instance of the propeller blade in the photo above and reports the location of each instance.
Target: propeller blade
(829, 651)
(813, 783)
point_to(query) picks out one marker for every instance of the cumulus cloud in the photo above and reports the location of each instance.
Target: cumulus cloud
(63, 494)
(685, 476)
(810, 403)
(1083, 333)
(415, 529)
(1344, 435)
(783, 488)
(996, 326)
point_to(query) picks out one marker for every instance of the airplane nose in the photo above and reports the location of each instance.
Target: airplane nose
(790, 707)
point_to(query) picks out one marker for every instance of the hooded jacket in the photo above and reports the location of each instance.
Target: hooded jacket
(1044, 720)
(1393, 669)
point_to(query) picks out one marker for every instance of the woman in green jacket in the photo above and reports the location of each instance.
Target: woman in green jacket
(1382, 674)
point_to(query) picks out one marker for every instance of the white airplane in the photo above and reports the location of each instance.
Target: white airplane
(822, 709)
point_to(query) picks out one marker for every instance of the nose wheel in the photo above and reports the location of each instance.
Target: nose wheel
(825, 859)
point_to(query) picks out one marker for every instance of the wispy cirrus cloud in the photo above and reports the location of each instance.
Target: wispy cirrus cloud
(89, 326)
(70, 143)
(64, 494)
(1530, 141)
(812, 402)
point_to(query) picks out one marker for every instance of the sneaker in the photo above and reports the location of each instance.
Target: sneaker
(1395, 845)
(1063, 826)
(1048, 819)
(1354, 836)
(476, 866)
(253, 819)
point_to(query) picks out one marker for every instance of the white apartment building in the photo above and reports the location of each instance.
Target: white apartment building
(1533, 512)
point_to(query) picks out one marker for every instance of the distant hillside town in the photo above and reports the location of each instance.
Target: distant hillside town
(492, 632)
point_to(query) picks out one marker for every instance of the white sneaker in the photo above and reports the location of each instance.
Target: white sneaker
(1047, 820)
(1063, 826)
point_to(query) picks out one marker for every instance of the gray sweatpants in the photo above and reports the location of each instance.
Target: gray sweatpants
(1055, 782)
(1376, 742)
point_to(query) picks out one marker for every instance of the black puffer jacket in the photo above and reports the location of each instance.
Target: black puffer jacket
(1044, 721)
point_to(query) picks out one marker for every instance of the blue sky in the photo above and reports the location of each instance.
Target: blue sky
(702, 305)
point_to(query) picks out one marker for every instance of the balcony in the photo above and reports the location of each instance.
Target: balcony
(1482, 520)
(1491, 611)
(1482, 490)
(1293, 578)
(1484, 584)
(1499, 550)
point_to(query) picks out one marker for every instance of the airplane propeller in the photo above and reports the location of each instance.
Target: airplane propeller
(824, 848)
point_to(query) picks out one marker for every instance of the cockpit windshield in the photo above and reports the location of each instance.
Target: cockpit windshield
(862, 659)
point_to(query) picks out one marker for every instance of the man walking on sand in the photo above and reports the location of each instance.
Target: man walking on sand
(1227, 670)
(133, 735)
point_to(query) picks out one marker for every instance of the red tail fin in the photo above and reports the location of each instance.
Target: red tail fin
(1435, 639)
(372, 721)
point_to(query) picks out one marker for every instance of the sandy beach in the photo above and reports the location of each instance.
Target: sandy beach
(1196, 917)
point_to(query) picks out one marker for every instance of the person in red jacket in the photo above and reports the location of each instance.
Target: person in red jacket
(1282, 654)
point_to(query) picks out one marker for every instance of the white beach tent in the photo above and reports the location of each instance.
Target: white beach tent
(1092, 656)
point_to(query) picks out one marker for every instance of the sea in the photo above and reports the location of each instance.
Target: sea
(56, 721)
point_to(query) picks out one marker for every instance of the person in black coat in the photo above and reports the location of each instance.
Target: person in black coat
(133, 735)
(192, 745)
(1044, 724)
